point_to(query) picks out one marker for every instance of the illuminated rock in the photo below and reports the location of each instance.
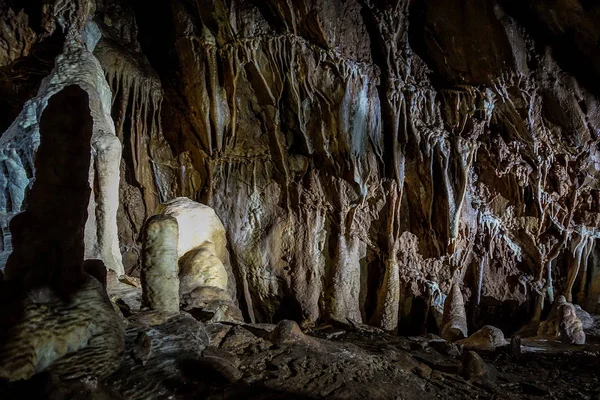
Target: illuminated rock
(202, 246)
(160, 279)
(454, 321)
(201, 267)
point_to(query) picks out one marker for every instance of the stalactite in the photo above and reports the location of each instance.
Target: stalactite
(137, 100)
(586, 256)
(581, 250)
(480, 270)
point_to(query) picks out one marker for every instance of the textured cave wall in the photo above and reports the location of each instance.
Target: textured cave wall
(364, 153)
(364, 156)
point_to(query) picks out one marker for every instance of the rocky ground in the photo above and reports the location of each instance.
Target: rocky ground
(354, 361)
(177, 357)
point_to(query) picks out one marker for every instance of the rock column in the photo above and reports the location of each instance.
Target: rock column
(160, 272)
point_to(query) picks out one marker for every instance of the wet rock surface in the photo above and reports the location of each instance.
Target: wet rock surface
(173, 355)
(365, 168)
(185, 360)
(361, 163)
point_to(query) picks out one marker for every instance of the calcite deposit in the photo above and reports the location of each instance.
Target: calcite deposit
(160, 272)
(410, 176)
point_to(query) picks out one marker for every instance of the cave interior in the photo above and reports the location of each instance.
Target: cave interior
(299, 199)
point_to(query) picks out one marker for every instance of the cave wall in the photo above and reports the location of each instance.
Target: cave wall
(365, 155)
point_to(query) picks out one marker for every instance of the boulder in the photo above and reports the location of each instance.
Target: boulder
(487, 338)
(70, 337)
(475, 369)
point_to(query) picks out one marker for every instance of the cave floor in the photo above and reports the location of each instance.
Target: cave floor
(176, 357)
(361, 365)
(360, 362)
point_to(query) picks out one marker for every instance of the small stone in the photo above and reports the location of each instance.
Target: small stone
(423, 371)
(475, 369)
(288, 333)
(142, 348)
(448, 349)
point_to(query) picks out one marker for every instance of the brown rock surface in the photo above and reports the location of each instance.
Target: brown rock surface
(487, 338)
(355, 154)
(570, 328)
(454, 322)
(371, 162)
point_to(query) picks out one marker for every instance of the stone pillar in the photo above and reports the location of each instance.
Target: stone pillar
(48, 238)
(160, 271)
(454, 321)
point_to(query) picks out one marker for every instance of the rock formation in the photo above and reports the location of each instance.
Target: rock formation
(160, 272)
(563, 323)
(421, 140)
(201, 267)
(421, 167)
(71, 338)
(48, 236)
(202, 246)
(454, 322)
(184, 253)
(570, 329)
(19, 143)
(487, 338)
(54, 316)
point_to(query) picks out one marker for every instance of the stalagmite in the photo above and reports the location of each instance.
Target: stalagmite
(570, 329)
(160, 277)
(102, 239)
(581, 253)
(201, 267)
(200, 231)
(63, 322)
(389, 296)
(454, 322)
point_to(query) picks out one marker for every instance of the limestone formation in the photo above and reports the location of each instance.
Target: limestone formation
(570, 329)
(160, 273)
(352, 151)
(198, 224)
(75, 337)
(549, 327)
(362, 156)
(202, 245)
(454, 322)
(487, 338)
(19, 143)
(201, 267)
(563, 323)
(55, 317)
(366, 168)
